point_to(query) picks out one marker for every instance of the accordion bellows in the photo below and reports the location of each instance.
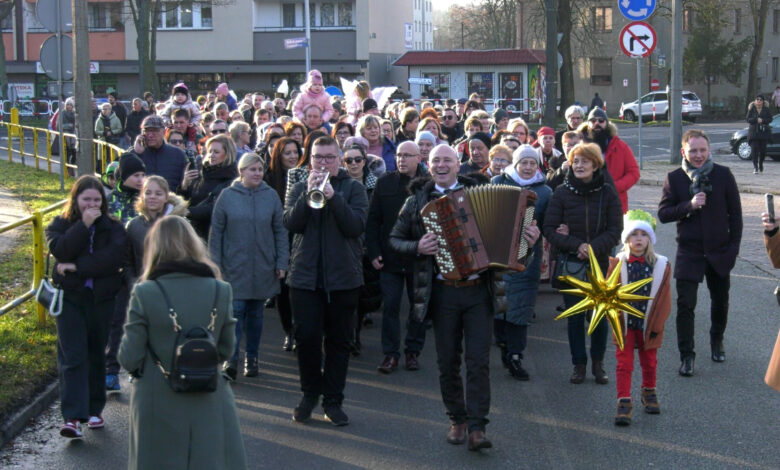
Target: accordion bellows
(479, 228)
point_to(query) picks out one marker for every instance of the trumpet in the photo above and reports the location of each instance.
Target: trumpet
(316, 197)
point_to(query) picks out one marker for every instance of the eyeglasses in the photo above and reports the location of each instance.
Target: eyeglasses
(350, 160)
(345, 132)
(176, 141)
(219, 131)
(404, 156)
(598, 120)
(324, 158)
(502, 161)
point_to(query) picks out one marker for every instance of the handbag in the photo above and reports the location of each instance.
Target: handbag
(567, 264)
(48, 296)
(195, 362)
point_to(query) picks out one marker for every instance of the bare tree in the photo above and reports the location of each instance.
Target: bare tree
(6, 8)
(489, 24)
(759, 10)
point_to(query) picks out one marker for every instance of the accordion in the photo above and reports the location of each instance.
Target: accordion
(480, 228)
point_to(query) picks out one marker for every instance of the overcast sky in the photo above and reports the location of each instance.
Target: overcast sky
(444, 4)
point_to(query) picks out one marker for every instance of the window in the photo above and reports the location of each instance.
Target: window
(441, 82)
(199, 83)
(345, 14)
(7, 24)
(288, 15)
(776, 21)
(184, 15)
(481, 83)
(737, 21)
(687, 20)
(327, 14)
(105, 16)
(602, 19)
(775, 66)
(600, 71)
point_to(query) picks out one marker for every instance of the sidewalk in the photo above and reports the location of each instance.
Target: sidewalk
(11, 210)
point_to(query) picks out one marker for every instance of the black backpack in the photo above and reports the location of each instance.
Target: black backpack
(194, 366)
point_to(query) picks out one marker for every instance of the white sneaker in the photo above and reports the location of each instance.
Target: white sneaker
(71, 429)
(95, 422)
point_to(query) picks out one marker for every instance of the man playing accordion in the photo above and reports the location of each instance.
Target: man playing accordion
(461, 310)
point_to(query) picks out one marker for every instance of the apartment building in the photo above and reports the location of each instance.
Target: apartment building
(604, 69)
(238, 41)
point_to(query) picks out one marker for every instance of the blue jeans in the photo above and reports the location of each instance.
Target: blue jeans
(392, 285)
(521, 290)
(249, 314)
(577, 332)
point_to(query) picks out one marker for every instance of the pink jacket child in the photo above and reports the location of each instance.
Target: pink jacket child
(313, 92)
(180, 98)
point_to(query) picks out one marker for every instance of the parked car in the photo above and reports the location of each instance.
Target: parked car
(741, 148)
(691, 106)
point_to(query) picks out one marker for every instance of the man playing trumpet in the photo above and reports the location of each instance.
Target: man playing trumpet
(327, 216)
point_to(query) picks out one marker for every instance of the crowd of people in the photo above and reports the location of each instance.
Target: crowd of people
(313, 207)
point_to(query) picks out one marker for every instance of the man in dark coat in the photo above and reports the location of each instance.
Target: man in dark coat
(159, 157)
(461, 310)
(703, 198)
(326, 273)
(395, 270)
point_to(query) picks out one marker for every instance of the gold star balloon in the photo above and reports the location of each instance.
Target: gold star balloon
(606, 297)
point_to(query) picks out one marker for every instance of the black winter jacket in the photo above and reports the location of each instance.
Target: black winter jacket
(69, 243)
(758, 131)
(389, 195)
(406, 235)
(593, 213)
(331, 236)
(202, 195)
(167, 161)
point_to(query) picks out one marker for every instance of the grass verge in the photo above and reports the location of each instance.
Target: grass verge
(28, 351)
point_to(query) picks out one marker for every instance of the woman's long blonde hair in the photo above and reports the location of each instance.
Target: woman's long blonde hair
(140, 204)
(172, 238)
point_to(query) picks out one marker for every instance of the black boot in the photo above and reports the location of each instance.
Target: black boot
(516, 369)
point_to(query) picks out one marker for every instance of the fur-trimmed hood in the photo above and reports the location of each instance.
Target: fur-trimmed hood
(583, 129)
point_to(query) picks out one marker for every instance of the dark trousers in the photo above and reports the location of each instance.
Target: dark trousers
(758, 153)
(283, 307)
(463, 313)
(392, 289)
(576, 331)
(317, 314)
(686, 304)
(116, 330)
(81, 341)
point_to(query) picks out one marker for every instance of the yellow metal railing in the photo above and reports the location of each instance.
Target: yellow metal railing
(36, 219)
(104, 152)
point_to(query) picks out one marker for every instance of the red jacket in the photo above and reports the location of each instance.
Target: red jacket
(621, 163)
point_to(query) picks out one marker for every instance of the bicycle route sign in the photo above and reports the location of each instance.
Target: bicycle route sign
(638, 39)
(637, 10)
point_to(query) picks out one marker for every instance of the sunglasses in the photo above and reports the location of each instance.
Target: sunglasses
(598, 120)
(176, 142)
(219, 131)
(350, 160)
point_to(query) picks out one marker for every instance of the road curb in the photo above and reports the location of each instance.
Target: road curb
(18, 421)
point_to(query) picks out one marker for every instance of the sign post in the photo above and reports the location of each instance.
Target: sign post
(637, 40)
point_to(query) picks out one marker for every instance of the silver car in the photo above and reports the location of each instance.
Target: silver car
(691, 107)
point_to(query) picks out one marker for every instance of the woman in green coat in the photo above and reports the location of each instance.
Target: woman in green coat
(168, 429)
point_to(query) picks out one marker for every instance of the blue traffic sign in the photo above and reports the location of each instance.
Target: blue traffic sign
(637, 10)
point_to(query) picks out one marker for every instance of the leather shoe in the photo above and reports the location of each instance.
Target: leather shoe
(457, 434)
(686, 368)
(411, 362)
(578, 376)
(388, 365)
(478, 441)
(598, 372)
(718, 354)
(289, 341)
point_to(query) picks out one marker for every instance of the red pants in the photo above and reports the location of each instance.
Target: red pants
(625, 363)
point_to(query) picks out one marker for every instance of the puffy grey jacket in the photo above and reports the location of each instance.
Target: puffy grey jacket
(248, 240)
(331, 236)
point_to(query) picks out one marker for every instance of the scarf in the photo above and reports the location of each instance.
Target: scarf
(189, 266)
(700, 181)
(511, 172)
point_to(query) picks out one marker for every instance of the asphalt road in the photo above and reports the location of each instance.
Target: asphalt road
(722, 418)
(655, 140)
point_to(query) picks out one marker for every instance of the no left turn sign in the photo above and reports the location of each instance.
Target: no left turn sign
(638, 39)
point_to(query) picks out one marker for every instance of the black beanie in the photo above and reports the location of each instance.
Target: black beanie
(483, 136)
(129, 164)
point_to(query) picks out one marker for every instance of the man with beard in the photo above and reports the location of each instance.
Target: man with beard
(574, 116)
(620, 161)
(703, 198)
(461, 310)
